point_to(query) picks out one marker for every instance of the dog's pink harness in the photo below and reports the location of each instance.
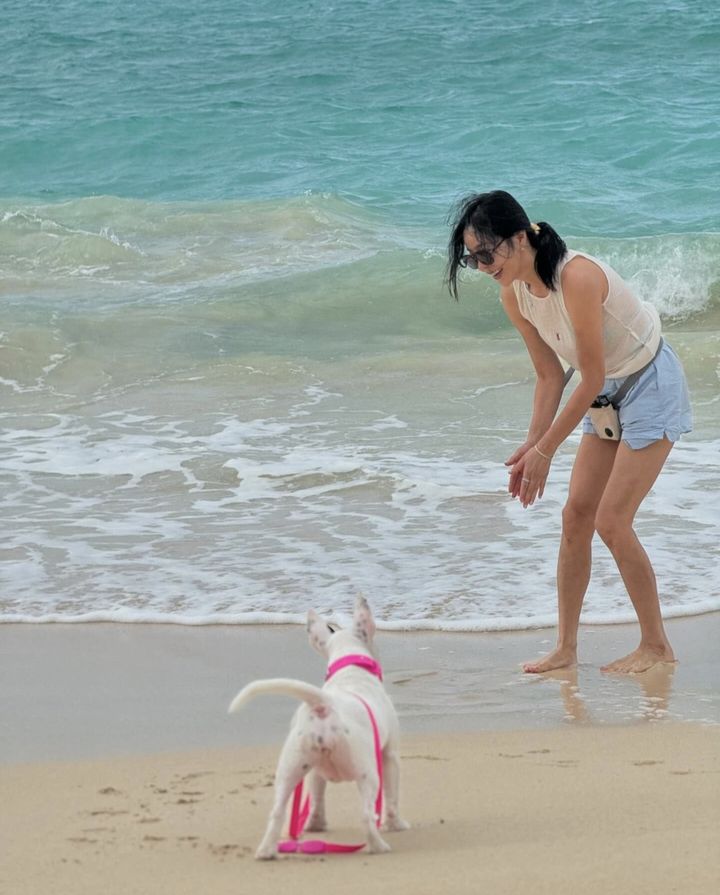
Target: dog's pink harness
(299, 813)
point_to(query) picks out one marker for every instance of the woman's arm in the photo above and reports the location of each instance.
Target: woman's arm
(548, 370)
(548, 388)
(584, 289)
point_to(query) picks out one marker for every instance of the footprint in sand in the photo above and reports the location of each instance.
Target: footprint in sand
(108, 813)
(423, 758)
(193, 840)
(188, 777)
(224, 851)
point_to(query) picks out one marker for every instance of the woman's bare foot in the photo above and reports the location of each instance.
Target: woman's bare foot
(562, 657)
(641, 659)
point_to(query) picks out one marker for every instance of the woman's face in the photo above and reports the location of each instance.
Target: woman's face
(498, 258)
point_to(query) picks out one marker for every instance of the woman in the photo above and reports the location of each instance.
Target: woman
(569, 304)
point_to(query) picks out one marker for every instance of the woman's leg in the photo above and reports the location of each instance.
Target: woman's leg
(591, 471)
(633, 474)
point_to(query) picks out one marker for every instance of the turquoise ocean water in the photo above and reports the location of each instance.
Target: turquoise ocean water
(232, 384)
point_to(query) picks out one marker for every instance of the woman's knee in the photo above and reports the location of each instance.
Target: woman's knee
(578, 519)
(612, 527)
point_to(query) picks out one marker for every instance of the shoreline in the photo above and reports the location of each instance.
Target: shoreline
(282, 620)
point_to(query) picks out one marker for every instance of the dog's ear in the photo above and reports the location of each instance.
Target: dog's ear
(318, 632)
(363, 621)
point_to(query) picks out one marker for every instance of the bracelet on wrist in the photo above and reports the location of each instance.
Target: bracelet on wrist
(544, 456)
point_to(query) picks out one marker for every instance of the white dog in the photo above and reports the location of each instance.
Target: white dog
(331, 735)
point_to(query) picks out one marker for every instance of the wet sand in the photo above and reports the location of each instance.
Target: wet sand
(90, 691)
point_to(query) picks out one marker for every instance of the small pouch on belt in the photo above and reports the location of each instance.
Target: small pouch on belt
(604, 418)
(604, 411)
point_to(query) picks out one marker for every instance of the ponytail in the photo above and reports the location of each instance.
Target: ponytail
(550, 249)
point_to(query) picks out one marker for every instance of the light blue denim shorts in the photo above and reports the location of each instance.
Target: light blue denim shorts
(656, 407)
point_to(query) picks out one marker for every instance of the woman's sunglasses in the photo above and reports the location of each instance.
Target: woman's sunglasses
(482, 256)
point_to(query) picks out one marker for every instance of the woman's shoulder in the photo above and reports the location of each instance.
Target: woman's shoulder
(581, 272)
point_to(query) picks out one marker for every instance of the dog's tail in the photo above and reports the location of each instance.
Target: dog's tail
(313, 696)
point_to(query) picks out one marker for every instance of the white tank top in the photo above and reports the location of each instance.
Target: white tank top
(631, 328)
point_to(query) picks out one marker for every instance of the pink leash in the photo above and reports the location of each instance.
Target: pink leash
(300, 811)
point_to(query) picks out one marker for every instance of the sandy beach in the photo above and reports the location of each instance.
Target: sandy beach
(122, 773)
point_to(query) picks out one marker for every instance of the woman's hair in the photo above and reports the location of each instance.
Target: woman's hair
(495, 216)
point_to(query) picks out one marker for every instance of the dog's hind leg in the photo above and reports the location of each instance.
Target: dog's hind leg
(317, 822)
(290, 772)
(391, 789)
(368, 785)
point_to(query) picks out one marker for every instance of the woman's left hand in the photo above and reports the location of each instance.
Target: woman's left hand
(528, 477)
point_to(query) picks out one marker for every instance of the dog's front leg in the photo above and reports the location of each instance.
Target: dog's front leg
(368, 785)
(391, 781)
(317, 821)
